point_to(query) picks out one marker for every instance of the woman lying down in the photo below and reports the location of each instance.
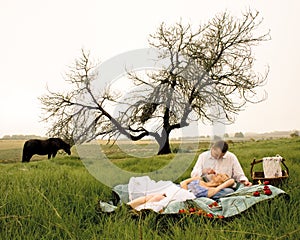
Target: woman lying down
(145, 193)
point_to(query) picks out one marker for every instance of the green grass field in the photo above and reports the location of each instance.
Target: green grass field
(57, 198)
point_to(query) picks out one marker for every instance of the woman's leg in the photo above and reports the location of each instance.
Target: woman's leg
(144, 199)
(139, 201)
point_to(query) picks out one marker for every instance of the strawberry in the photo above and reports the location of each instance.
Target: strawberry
(192, 210)
(214, 204)
(268, 192)
(181, 211)
(200, 212)
(256, 194)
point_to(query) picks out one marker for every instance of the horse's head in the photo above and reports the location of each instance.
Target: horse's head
(58, 143)
(67, 148)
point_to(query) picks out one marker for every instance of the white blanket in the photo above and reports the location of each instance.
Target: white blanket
(143, 186)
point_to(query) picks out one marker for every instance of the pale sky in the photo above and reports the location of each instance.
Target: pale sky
(39, 39)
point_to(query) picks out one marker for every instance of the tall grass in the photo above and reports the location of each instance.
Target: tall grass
(57, 199)
(46, 200)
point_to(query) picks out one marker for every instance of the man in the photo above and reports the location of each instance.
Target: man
(219, 160)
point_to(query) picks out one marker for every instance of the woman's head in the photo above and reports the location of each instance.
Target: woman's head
(220, 178)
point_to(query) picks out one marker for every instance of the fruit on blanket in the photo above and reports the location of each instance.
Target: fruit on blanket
(214, 204)
(181, 211)
(268, 192)
(256, 194)
(200, 212)
(266, 187)
(192, 210)
(266, 182)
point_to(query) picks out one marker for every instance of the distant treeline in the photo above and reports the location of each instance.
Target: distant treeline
(20, 137)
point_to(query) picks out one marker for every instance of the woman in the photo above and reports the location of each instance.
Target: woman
(195, 184)
(201, 188)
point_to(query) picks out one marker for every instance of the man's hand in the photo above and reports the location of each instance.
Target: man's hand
(208, 171)
(246, 183)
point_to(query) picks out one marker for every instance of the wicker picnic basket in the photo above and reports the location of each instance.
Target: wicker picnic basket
(260, 176)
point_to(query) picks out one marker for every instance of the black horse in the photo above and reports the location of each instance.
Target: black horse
(44, 147)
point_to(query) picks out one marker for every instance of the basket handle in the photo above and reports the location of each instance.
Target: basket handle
(259, 161)
(253, 163)
(287, 170)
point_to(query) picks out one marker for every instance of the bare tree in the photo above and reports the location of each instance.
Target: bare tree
(209, 68)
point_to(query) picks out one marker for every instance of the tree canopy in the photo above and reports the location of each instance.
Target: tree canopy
(209, 77)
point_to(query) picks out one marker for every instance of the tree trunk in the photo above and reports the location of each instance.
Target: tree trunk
(164, 146)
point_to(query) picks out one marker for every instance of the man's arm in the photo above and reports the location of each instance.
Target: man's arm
(197, 170)
(238, 172)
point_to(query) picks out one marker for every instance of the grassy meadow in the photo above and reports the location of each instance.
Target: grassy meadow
(57, 198)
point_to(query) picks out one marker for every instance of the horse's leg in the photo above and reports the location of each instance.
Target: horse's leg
(49, 155)
(29, 157)
(54, 154)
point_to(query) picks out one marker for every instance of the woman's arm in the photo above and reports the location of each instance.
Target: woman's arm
(184, 183)
(213, 190)
(208, 184)
(226, 184)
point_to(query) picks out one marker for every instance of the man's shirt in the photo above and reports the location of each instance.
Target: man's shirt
(228, 164)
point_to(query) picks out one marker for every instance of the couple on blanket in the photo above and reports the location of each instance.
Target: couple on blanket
(214, 175)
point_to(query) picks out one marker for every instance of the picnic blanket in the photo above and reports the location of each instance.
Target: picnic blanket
(182, 201)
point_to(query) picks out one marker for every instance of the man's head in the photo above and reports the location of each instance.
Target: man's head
(219, 149)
